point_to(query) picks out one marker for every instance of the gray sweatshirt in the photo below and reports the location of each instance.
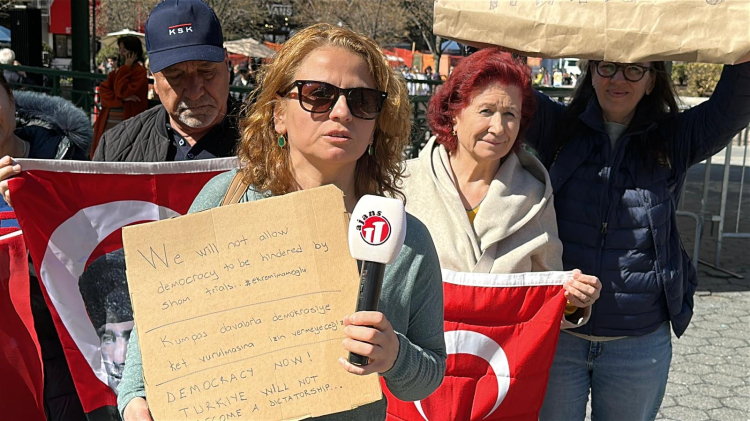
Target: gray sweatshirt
(411, 299)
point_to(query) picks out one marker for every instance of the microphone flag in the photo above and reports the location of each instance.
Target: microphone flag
(377, 229)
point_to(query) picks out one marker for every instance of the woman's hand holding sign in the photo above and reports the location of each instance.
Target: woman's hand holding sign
(137, 410)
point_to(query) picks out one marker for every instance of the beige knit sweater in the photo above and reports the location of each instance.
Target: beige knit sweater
(517, 214)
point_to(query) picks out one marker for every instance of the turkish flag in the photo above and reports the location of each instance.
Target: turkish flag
(501, 333)
(20, 355)
(72, 214)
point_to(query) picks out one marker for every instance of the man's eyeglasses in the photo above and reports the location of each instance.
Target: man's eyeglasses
(320, 97)
(631, 72)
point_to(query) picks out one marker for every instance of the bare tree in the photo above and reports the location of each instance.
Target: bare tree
(115, 15)
(6, 5)
(383, 20)
(239, 18)
(420, 14)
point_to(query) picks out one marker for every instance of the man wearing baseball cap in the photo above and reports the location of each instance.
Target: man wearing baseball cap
(196, 118)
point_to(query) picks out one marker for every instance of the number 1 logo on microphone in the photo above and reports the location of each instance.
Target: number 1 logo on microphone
(374, 228)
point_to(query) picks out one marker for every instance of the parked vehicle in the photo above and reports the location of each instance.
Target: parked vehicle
(570, 66)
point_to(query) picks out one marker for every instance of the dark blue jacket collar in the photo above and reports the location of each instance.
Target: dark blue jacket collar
(592, 116)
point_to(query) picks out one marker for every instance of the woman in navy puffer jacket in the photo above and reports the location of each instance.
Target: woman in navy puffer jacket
(617, 157)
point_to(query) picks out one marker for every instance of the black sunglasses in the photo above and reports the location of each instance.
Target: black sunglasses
(320, 97)
(631, 72)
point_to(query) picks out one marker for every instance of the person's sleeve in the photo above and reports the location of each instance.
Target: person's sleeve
(543, 128)
(107, 92)
(707, 128)
(579, 318)
(549, 258)
(130, 80)
(131, 386)
(100, 151)
(212, 193)
(420, 365)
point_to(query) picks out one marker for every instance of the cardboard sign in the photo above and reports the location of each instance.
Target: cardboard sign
(239, 310)
(710, 31)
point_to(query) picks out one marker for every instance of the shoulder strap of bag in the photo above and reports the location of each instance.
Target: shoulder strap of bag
(236, 190)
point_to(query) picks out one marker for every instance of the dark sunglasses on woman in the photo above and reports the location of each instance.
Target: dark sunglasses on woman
(631, 72)
(320, 97)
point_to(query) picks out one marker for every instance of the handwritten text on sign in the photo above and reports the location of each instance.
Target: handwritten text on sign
(239, 310)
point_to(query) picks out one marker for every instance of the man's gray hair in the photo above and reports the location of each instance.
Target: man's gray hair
(7, 56)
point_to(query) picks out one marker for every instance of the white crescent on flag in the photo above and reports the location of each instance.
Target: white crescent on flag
(71, 212)
(68, 250)
(474, 343)
(535, 297)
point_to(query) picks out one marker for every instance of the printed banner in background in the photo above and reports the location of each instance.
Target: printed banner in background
(501, 333)
(20, 356)
(72, 214)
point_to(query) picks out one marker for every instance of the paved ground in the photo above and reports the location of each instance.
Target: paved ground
(710, 374)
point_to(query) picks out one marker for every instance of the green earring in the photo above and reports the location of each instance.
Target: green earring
(371, 150)
(282, 141)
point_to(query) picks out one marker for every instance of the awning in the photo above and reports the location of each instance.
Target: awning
(111, 37)
(4, 34)
(249, 47)
(59, 17)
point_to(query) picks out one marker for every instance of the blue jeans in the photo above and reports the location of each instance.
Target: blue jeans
(627, 377)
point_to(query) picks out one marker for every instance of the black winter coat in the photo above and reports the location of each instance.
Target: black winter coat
(144, 138)
(616, 217)
(55, 129)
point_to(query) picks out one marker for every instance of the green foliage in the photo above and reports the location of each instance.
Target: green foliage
(110, 51)
(702, 78)
(679, 73)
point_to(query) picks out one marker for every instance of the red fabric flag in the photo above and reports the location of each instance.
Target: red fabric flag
(20, 356)
(72, 214)
(501, 333)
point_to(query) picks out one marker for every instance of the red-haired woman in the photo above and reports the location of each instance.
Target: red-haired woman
(488, 203)
(472, 185)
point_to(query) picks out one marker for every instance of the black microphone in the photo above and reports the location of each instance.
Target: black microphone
(376, 234)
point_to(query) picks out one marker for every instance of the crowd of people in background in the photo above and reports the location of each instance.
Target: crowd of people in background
(414, 75)
(14, 77)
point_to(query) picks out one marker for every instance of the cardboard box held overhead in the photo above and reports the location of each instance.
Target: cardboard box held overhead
(239, 310)
(710, 31)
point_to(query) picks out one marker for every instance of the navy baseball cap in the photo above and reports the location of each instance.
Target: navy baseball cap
(183, 30)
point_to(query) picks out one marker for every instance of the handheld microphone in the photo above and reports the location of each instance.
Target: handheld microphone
(376, 234)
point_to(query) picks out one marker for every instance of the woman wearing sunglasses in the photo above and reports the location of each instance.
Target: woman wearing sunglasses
(617, 156)
(330, 111)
